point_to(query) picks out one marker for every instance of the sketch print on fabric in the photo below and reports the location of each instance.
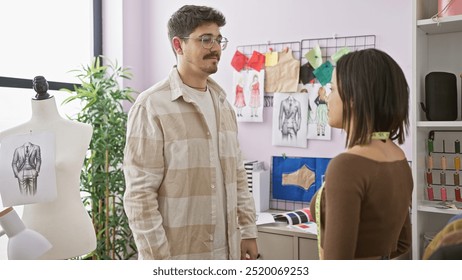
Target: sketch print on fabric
(27, 170)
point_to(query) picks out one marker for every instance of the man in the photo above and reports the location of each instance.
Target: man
(186, 190)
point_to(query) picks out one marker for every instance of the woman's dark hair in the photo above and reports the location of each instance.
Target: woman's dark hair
(184, 21)
(375, 96)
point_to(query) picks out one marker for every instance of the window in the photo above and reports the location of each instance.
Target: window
(43, 38)
(46, 38)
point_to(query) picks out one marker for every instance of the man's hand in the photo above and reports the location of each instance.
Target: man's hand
(249, 250)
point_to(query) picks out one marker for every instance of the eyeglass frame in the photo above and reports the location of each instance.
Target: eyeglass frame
(223, 40)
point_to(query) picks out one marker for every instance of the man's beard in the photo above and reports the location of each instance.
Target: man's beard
(214, 67)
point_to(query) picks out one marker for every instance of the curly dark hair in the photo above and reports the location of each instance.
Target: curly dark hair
(184, 21)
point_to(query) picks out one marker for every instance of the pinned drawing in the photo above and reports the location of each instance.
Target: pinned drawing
(27, 170)
(290, 119)
(248, 95)
(321, 112)
(318, 126)
(239, 101)
(255, 94)
(26, 167)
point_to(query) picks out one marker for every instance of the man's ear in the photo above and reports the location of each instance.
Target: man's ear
(176, 43)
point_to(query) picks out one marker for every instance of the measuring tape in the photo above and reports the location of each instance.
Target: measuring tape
(318, 218)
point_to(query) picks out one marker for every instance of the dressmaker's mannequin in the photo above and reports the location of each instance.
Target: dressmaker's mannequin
(64, 221)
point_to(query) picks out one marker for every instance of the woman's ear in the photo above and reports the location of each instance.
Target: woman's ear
(176, 43)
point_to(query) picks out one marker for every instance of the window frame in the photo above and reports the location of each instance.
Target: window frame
(14, 82)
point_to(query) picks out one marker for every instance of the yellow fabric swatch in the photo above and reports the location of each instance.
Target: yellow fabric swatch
(271, 58)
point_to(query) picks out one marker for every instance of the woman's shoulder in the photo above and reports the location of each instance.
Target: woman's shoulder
(378, 151)
(351, 159)
(351, 163)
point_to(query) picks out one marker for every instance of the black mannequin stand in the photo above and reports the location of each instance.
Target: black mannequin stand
(40, 85)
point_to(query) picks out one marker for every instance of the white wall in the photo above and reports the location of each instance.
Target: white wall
(147, 50)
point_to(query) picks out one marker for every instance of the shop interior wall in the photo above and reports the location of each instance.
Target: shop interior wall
(147, 51)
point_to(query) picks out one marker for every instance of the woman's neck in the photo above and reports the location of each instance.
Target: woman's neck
(45, 110)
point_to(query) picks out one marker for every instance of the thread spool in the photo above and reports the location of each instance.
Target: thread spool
(442, 178)
(430, 162)
(457, 194)
(444, 163)
(444, 195)
(430, 146)
(457, 163)
(457, 146)
(429, 177)
(430, 195)
(456, 179)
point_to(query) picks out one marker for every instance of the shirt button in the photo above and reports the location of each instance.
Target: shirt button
(208, 133)
(212, 186)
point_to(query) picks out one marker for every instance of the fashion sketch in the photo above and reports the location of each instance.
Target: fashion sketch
(239, 101)
(248, 97)
(255, 102)
(321, 112)
(290, 119)
(318, 127)
(26, 167)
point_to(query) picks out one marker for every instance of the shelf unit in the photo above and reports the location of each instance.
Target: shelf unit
(437, 46)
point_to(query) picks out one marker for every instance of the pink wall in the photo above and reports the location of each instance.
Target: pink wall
(148, 52)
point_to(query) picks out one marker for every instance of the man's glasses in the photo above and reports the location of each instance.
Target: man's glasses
(207, 41)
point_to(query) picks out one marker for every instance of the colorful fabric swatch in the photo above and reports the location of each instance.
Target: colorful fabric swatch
(324, 73)
(314, 57)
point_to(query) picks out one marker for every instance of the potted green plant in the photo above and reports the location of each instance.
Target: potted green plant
(102, 179)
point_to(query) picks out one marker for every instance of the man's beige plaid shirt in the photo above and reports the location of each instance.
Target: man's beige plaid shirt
(170, 176)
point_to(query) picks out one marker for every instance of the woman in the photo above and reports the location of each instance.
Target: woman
(367, 192)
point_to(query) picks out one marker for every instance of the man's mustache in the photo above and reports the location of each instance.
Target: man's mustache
(212, 55)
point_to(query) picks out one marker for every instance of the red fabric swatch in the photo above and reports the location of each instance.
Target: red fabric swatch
(239, 61)
(256, 61)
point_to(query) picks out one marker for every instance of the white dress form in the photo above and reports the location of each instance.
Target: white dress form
(64, 221)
